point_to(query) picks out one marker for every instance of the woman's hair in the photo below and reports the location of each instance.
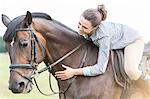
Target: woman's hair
(95, 16)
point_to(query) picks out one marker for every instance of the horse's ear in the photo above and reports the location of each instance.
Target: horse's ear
(5, 20)
(28, 19)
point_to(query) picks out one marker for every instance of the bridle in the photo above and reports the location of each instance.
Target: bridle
(33, 64)
(33, 56)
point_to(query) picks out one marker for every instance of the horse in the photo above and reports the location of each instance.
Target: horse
(35, 37)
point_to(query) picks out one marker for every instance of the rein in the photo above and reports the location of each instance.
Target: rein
(33, 65)
(49, 67)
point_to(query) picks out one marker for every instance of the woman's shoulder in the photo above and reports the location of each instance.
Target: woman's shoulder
(106, 24)
(112, 26)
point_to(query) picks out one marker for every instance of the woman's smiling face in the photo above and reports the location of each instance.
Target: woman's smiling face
(84, 26)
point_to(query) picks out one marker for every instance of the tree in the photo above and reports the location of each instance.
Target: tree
(2, 45)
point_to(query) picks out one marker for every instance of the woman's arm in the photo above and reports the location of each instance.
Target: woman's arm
(103, 57)
(99, 68)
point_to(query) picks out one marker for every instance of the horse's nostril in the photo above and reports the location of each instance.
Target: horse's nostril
(17, 87)
(21, 85)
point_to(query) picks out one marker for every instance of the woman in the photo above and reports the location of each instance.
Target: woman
(107, 36)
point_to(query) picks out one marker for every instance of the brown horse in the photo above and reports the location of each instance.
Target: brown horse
(33, 38)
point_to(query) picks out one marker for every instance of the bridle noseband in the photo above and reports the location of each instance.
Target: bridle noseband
(33, 64)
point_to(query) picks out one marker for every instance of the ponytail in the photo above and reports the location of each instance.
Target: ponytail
(102, 10)
(95, 16)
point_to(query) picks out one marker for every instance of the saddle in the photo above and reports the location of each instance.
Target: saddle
(117, 58)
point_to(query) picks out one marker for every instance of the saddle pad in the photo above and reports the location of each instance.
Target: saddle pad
(118, 67)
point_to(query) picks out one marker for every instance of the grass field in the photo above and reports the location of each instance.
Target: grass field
(42, 80)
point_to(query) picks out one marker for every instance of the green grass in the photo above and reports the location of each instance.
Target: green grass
(42, 80)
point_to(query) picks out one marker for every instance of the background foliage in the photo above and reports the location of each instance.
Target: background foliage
(2, 45)
(42, 80)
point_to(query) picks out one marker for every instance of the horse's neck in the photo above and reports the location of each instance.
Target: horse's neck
(59, 40)
(59, 47)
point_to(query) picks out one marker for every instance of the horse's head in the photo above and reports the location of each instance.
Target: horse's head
(26, 48)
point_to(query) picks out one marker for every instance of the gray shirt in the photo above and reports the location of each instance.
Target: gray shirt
(109, 36)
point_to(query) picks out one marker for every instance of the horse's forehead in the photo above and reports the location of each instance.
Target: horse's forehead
(22, 34)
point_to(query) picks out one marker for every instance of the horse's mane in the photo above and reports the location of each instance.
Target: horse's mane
(14, 24)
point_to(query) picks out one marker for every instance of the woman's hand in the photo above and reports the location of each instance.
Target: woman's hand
(66, 74)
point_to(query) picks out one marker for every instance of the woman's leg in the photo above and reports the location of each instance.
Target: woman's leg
(133, 55)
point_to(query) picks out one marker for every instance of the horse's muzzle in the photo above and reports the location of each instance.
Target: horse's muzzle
(17, 84)
(20, 87)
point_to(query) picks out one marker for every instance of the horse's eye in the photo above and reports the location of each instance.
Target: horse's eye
(23, 44)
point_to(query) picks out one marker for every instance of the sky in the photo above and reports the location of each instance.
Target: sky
(134, 13)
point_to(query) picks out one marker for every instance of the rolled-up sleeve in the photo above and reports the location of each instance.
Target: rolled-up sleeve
(103, 57)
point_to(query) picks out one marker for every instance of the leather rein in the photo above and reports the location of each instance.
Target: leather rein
(33, 64)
